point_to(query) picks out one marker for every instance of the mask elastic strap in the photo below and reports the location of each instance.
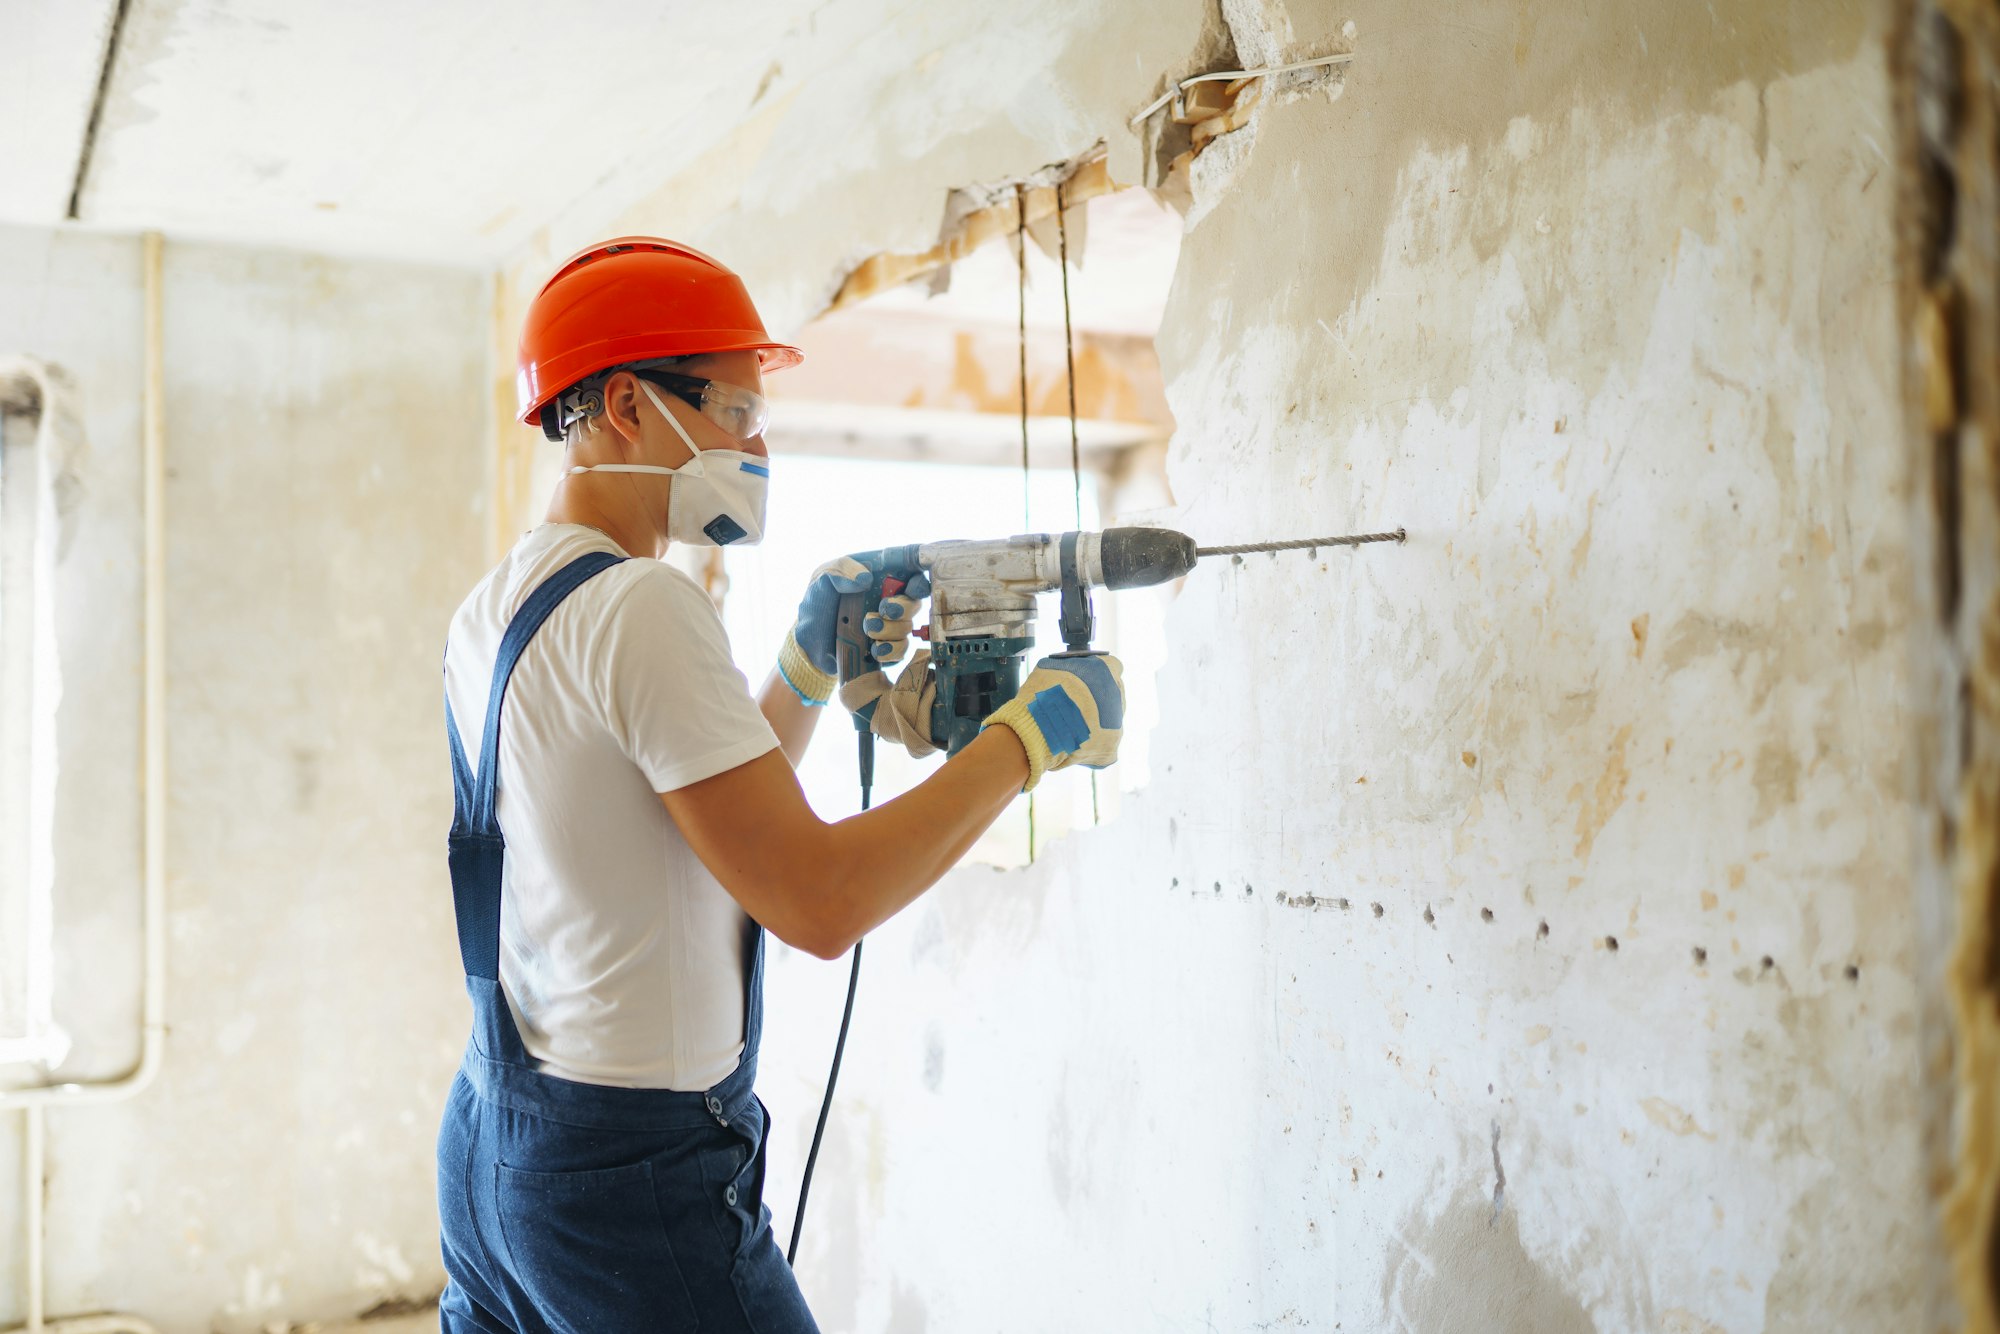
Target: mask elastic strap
(692, 468)
(694, 450)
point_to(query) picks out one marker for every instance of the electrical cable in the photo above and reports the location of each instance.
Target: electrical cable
(1069, 364)
(1069, 356)
(1027, 477)
(1021, 251)
(867, 756)
(1230, 75)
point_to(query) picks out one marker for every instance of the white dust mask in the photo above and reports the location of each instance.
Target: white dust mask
(718, 495)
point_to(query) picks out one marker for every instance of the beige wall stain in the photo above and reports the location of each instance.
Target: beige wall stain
(1672, 1119)
(1598, 803)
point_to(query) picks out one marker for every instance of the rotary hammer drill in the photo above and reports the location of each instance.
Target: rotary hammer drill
(983, 609)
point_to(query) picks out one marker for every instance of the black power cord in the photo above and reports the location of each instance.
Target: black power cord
(867, 757)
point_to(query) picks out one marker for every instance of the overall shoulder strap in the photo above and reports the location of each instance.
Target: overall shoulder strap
(476, 792)
(461, 772)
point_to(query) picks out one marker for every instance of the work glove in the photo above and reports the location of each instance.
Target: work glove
(809, 661)
(899, 712)
(1069, 711)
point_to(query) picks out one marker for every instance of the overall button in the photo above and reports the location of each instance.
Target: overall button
(714, 1105)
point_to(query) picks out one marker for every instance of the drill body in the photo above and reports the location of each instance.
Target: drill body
(983, 597)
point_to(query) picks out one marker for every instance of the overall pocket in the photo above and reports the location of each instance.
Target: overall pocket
(590, 1249)
(730, 1178)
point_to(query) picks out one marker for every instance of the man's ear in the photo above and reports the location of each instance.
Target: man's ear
(621, 406)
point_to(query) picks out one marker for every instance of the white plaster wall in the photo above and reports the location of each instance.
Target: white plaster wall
(1599, 303)
(325, 423)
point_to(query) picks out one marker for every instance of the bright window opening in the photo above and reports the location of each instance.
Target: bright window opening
(904, 426)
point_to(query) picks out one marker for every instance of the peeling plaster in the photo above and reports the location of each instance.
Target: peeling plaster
(1946, 58)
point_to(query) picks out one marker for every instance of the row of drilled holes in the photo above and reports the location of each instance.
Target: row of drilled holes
(1699, 952)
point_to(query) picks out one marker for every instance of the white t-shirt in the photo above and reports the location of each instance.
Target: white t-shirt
(622, 959)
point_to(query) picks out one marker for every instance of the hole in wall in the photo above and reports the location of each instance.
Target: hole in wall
(912, 389)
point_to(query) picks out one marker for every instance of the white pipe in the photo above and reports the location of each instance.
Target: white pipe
(153, 768)
(153, 761)
(35, 1173)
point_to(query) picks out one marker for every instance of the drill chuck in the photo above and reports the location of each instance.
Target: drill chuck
(1142, 557)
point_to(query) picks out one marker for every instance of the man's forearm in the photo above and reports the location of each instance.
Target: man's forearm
(819, 886)
(790, 717)
(881, 860)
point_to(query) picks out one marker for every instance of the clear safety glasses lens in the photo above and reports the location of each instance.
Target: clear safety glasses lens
(741, 412)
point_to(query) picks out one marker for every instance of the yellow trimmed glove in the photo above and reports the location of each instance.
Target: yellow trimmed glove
(1069, 711)
(902, 712)
(807, 681)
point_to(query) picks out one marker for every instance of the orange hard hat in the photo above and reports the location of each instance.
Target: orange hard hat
(634, 298)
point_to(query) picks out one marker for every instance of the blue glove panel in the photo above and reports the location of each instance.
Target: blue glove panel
(1069, 710)
(1104, 689)
(819, 611)
(1061, 721)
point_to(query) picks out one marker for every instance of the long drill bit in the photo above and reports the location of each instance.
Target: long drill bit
(1301, 544)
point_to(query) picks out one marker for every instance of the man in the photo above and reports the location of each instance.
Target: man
(622, 843)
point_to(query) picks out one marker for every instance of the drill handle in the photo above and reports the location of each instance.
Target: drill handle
(851, 645)
(888, 571)
(851, 648)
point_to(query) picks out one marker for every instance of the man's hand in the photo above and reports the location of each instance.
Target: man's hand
(901, 712)
(1068, 711)
(809, 660)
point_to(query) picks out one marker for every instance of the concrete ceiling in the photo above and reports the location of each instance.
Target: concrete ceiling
(444, 130)
(451, 130)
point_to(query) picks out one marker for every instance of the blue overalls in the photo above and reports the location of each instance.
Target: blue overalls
(569, 1206)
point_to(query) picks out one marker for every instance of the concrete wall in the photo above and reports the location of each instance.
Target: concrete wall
(1517, 934)
(325, 422)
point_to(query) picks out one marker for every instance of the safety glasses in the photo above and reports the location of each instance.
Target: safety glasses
(743, 413)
